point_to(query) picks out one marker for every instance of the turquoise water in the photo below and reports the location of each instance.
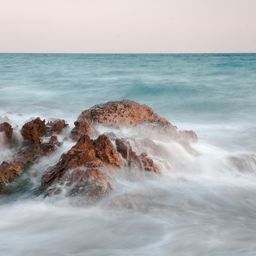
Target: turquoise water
(203, 90)
(207, 207)
(196, 88)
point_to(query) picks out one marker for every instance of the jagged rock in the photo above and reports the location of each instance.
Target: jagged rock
(49, 147)
(80, 168)
(7, 129)
(106, 152)
(34, 130)
(82, 128)
(10, 170)
(83, 167)
(56, 126)
(86, 153)
(25, 156)
(141, 161)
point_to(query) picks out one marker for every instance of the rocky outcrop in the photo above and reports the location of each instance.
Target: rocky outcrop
(25, 157)
(30, 151)
(88, 157)
(88, 154)
(33, 131)
(125, 113)
(86, 168)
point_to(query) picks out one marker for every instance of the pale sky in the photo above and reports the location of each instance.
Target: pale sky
(124, 26)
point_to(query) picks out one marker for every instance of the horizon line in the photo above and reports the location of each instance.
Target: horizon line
(131, 53)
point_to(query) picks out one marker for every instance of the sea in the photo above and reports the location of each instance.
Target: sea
(201, 204)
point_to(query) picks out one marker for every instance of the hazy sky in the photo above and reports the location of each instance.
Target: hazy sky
(127, 26)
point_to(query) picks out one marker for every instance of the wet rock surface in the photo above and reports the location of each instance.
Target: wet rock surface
(56, 126)
(33, 131)
(117, 114)
(87, 153)
(30, 151)
(125, 114)
(7, 130)
(85, 169)
(133, 160)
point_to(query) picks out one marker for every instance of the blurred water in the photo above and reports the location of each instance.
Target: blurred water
(201, 205)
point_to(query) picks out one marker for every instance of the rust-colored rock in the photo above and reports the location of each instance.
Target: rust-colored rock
(56, 126)
(106, 152)
(49, 147)
(117, 114)
(24, 157)
(86, 153)
(7, 129)
(82, 128)
(142, 161)
(84, 167)
(125, 113)
(10, 170)
(34, 130)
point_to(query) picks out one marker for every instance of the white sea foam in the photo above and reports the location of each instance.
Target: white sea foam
(203, 203)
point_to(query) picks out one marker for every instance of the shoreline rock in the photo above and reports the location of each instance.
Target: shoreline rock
(86, 168)
(30, 151)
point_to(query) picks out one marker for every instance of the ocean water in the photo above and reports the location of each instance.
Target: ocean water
(202, 204)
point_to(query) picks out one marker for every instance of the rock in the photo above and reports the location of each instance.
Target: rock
(85, 168)
(82, 128)
(10, 170)
(106, 152)
(49, 147)
(34, 130)
(117, 114)
(148, 164)
(56, 126)
(7, 129)
(141, 161)
(86, 153)
(25, 157)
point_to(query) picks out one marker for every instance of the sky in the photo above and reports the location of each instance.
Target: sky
(128, 26)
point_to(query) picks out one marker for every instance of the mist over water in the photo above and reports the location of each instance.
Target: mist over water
(204, 201)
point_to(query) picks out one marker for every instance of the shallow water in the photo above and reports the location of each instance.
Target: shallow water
(202, 204)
